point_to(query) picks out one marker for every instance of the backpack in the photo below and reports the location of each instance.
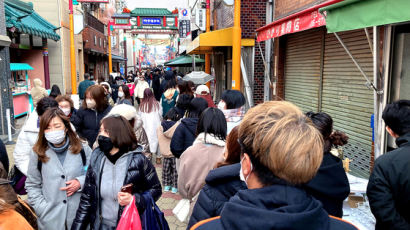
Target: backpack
(83, 159)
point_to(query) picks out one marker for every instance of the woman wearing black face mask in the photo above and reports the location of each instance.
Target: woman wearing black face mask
(118, 161)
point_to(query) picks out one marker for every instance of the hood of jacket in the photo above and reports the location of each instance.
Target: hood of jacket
(331, 180)
(32, 123)
(37, 83)
(209, 139)
(223, 174)
(167, 125)
(274, 207)
(190, 124)
(403, 140)
(169, 93)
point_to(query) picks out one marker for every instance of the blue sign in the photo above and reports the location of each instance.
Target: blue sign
(184, 12)
(151, 21)
(121, 70)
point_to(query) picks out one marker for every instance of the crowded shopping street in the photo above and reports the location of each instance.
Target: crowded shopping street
(204, 114)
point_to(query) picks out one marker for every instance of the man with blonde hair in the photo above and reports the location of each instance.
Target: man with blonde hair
(280, 150)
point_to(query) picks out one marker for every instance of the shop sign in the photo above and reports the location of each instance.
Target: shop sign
(184, 28)
(170, 21)
(122, 21)
(151, 21)
(184, 14)
(200, 19)
(302, 22)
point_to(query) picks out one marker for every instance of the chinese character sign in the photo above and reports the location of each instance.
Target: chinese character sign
(184, 28)
(151, 21)
(302, 22)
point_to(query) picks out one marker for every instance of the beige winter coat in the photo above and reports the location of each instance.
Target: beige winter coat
(38, 92)
(196, 162)
(164, 140)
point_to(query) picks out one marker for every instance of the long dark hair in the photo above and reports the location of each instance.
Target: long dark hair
(55, 91)
(148, 103)
(41, 145)
(121, 133)
(212, 121)
(324, 123)
(126, 91)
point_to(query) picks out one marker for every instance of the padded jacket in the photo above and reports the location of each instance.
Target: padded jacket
(184, 136)
(221, 184)
(140, 172)
(87, 123)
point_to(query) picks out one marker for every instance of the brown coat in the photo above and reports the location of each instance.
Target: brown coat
(196, 162)
(164, 140)
(11, 219)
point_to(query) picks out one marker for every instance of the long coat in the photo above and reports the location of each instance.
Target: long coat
(55, 210)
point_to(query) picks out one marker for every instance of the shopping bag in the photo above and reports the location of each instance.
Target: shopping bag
(152, 218)
(181, 211)
(130, 218)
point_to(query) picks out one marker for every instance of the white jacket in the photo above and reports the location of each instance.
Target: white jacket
(151, 121)
(139, 88)
(25, 142)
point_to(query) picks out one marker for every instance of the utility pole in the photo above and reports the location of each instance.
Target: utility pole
(72, 49)
(236, 47)
(208, 29)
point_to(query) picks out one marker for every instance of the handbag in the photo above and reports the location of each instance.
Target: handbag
(130, 218)
(18, 180)
(181, 211)
(152, 218)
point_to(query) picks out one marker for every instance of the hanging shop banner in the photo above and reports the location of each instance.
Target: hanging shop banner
(301, 22)
(184, 28)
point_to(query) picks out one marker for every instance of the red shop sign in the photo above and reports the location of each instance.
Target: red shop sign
(301, 22)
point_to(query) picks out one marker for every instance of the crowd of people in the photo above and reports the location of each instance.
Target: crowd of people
(269, 168)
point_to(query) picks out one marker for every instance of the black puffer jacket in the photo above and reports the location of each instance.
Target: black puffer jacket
(184, 136)
(221, 184)
(389, 187)
(140, 172)
(330, 185)
(87, 123)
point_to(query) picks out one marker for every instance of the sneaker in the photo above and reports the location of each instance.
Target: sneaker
(174, 190)
(167, 188)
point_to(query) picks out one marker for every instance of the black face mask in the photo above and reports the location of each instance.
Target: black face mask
(105, 144)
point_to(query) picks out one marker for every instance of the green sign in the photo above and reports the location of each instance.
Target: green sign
(122, 21)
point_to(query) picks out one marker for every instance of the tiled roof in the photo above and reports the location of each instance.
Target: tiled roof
(150, 12)
(21, 15)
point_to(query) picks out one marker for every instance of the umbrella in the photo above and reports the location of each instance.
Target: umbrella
(198, 77)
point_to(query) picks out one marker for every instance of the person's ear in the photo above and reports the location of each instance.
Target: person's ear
(246, 165)
(391, 132)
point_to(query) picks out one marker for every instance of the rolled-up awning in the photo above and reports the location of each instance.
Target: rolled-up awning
(357, 14)
(205, 41)
(300, 21)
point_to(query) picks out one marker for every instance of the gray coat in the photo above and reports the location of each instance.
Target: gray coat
(54, 209)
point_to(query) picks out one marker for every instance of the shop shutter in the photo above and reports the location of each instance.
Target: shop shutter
(302, 69)
(346, 97)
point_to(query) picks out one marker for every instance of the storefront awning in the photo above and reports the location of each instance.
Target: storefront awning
(205, 41)
(184, 60)
(117, 58)
(22, 16)
(356, 14)
(20, 66)
(300, 21)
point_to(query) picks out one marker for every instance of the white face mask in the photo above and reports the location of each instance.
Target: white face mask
(241, 175)
(55, 137)
(90, 103)
(66, 111)
(121, 94)
(221, 105)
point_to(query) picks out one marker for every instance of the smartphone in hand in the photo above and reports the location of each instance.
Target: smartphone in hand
(127, 188)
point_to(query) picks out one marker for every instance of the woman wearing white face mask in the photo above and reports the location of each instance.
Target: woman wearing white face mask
(87, 119)
(56, 173)
(66, 105)
(124, 96)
